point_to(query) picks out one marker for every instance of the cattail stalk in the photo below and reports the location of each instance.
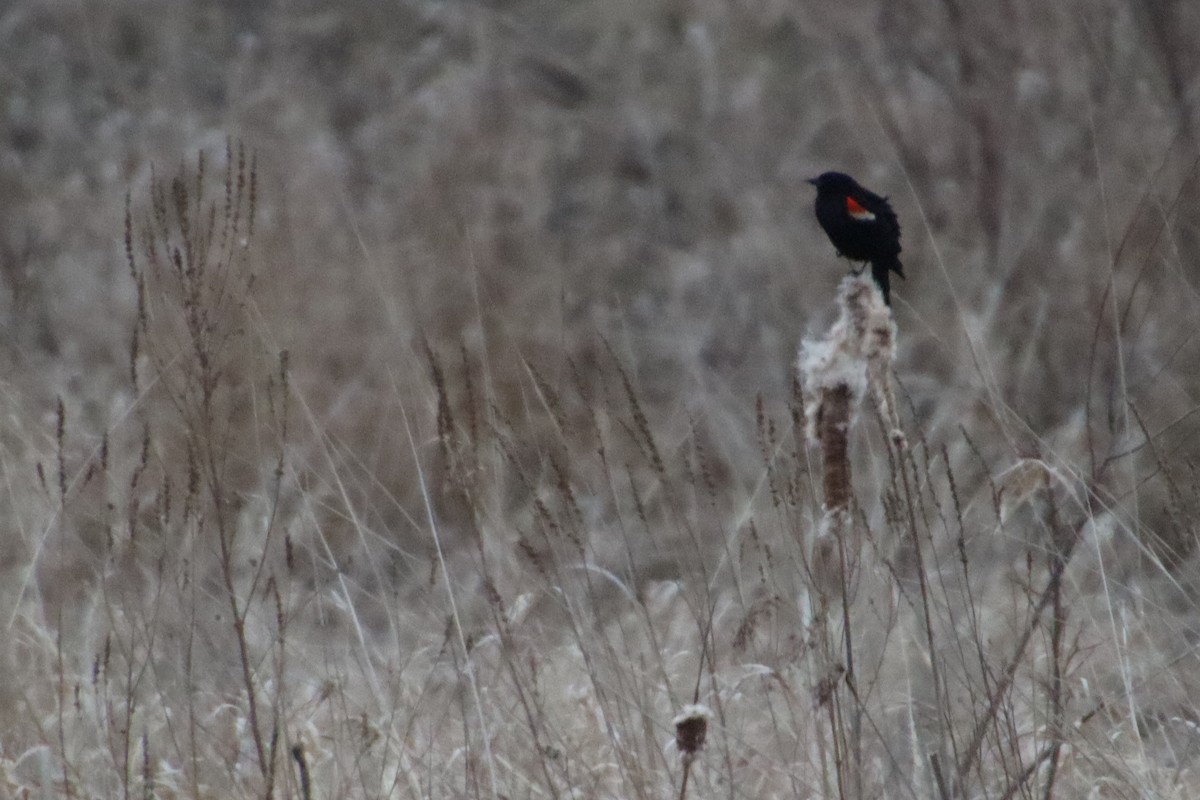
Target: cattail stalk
(853, 359)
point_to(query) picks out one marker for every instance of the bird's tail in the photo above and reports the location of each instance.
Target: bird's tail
(880, 270)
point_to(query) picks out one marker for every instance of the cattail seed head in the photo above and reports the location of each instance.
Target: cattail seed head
(691, 729)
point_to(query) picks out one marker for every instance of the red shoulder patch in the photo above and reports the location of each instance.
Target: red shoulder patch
(856, 211)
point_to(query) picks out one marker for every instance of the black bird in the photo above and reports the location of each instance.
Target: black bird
(861, 225)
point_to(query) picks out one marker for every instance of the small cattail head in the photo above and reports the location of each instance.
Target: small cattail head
(691, 729)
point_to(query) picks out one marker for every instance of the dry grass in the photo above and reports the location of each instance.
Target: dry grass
(443, 439)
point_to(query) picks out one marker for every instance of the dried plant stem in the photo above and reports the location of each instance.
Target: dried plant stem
(239, 630)
(1057, 707)
(192, 287)
(687, 771)
(853, 359)
(923, 584)
(302, 768)
(973, 750)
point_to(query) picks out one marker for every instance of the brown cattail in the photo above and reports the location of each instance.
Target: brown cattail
(691, 729)
(853, 359)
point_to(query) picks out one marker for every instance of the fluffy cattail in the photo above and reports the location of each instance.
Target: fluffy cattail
(854, 358)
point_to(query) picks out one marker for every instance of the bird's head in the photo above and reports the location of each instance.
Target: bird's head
(832, 181)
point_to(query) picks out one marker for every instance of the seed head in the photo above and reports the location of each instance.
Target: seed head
(691, 729)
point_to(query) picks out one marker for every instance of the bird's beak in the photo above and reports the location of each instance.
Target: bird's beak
(813, 181)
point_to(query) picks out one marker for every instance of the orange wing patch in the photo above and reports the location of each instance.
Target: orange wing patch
(857, 212)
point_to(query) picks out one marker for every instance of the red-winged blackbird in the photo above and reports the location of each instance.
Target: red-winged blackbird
(861, 225)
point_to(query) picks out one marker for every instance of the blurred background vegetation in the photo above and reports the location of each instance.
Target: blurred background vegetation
(523, 176)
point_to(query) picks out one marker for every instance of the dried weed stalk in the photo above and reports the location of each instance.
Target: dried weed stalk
(189, 260)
